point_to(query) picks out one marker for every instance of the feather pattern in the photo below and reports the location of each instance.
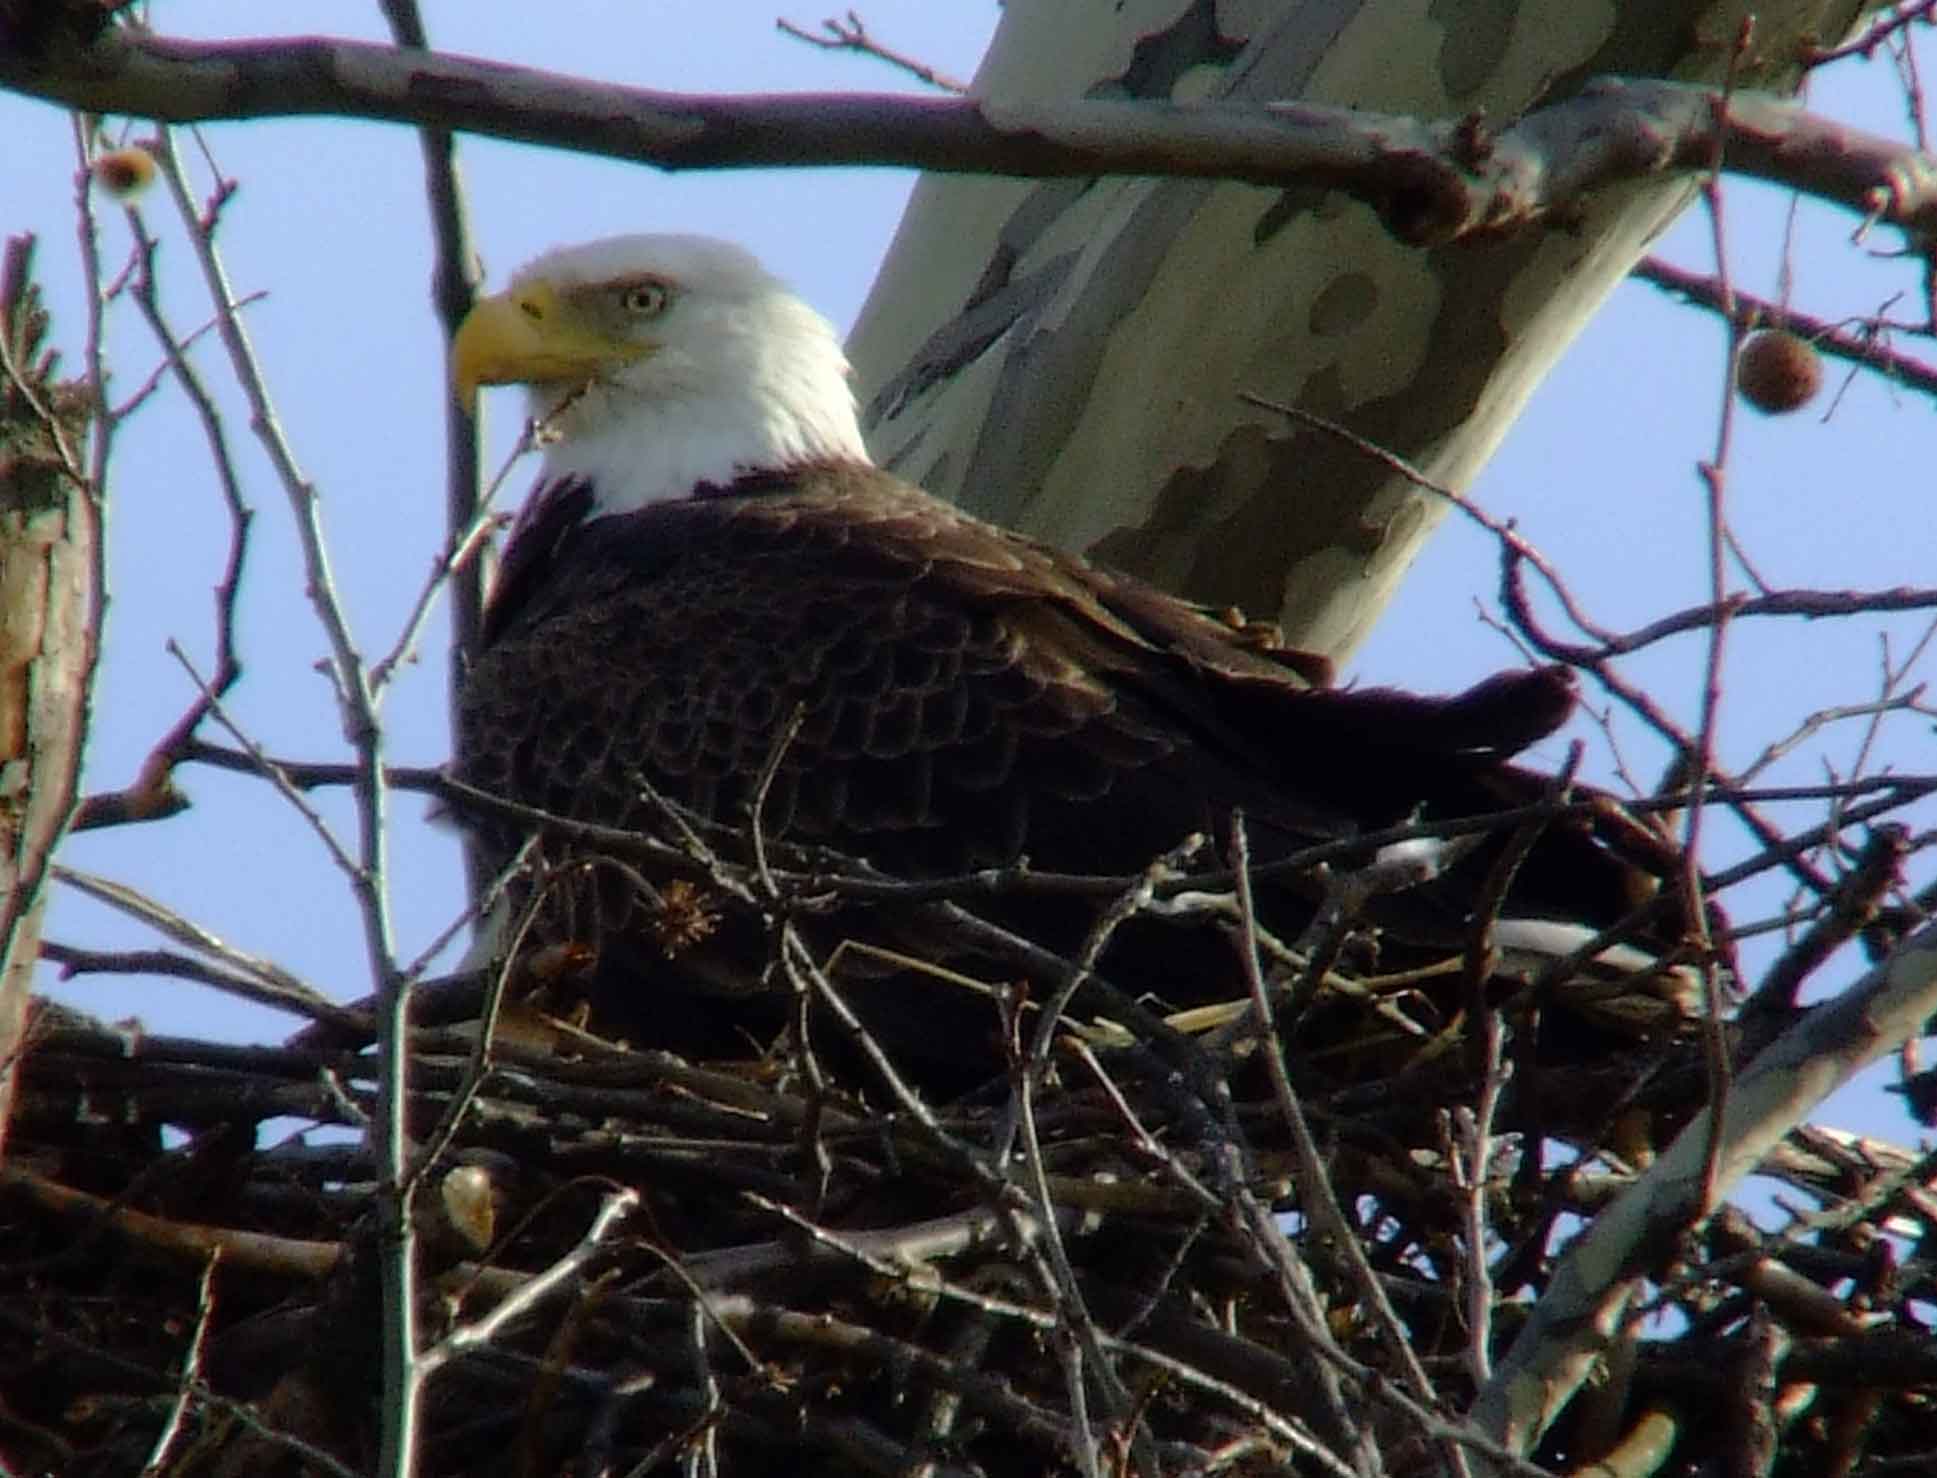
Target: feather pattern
(965, 698)
(710, 563)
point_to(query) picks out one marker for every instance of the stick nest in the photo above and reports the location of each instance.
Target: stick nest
(1160, 1258)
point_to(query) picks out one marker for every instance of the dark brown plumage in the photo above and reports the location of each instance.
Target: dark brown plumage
(710, 553)
(966, 698)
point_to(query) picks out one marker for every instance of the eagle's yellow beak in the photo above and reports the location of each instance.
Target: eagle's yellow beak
(531, 335)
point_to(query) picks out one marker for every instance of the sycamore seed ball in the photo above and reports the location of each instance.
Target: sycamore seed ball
(124, 173)
(1778, 371)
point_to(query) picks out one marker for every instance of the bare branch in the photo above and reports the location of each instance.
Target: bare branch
(284, 1257)
(284, 988)
(454, 280)
(367, 874)
(152, 795)
(1861, 341)
(1431, 182)
(191, 1367)
(263, 990)
(1316, 1194)
(1584, 1304)
(560, 1275)
(851, 34)
(1865, 42)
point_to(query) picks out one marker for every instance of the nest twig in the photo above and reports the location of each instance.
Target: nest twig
(1116, 1261)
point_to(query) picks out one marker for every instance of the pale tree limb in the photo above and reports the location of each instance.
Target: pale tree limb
(1583, 1307)
(51, 601)
(1066, 360)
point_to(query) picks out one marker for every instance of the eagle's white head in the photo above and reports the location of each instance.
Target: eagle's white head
(660, 362)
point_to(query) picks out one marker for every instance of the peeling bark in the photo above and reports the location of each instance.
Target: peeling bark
(49, 630)
(1066, 357)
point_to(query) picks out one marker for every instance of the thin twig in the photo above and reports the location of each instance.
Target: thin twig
(262, 990)
(564, 1270)
(153, 784)
(454, 279)
(852, 35)
(214, 707)
(1899, 18)
(191, 1368)
(462, 548)
(278, 986)
(1316, 1195)
(1700, 761)
(1859, 341)
(368, 876)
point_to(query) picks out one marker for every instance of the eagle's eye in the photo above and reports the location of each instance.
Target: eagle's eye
(646, 299)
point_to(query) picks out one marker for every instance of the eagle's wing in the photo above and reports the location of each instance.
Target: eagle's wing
(963, 695)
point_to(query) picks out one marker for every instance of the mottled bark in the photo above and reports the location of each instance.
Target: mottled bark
(49, 610)
(1067, 356)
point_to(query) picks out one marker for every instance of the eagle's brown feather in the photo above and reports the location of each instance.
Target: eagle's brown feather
(965, 697)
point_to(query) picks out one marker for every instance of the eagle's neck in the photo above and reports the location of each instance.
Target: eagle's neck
(634, 451)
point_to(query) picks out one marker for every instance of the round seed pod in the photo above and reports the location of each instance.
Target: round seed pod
(1777, 371)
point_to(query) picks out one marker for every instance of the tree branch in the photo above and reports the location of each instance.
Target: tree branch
(1584, 1304)
(1861, 341)
(454, 279)
(367, 874)
(1430, 182)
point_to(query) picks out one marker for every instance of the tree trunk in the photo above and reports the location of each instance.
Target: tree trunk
(49, 632)
(1066, 357)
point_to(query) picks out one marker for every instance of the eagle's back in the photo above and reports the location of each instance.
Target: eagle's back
(957, 696)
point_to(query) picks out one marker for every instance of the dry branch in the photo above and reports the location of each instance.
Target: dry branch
(1431, 182)
(812, 1263)
(1583, 1307)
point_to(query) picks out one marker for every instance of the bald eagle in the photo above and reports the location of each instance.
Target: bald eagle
(710, 558)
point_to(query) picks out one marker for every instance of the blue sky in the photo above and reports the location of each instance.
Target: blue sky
(330, 221)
